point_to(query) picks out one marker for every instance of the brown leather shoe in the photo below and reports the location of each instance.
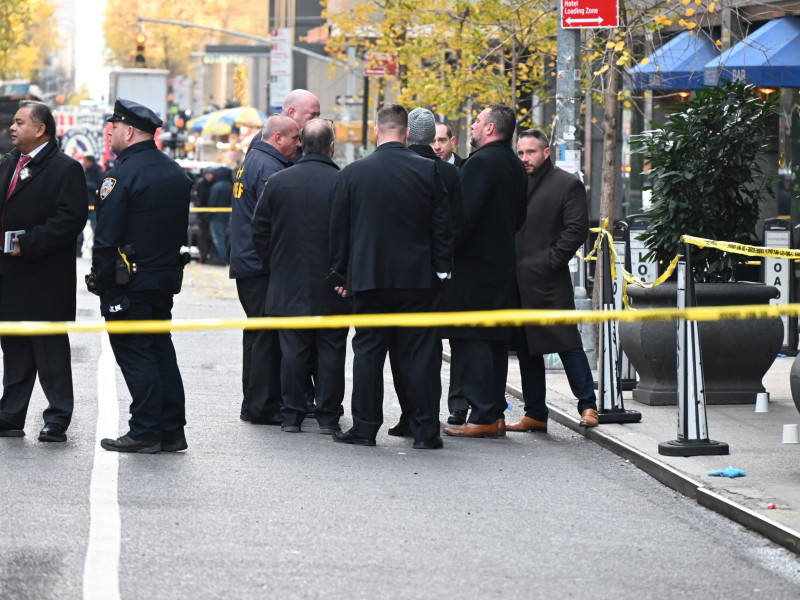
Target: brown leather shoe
(589, 418)
(501, 427)
(475, 430)
(528, 424)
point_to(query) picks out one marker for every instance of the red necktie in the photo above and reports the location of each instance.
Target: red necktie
(23, 160)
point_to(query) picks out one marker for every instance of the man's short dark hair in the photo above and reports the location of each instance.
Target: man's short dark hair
(392, 116)
(448, 129)
(537, 134)
(316, 137)
(504, 119)
(41, 113)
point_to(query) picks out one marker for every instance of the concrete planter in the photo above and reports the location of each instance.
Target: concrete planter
(736, 354)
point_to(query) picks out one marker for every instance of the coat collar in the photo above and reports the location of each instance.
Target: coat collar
(262, 146)
(318, 158)
(34, 167)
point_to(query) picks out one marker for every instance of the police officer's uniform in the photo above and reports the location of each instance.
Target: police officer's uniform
(143, 210)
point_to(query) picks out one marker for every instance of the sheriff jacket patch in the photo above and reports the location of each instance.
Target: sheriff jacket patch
(108, 185)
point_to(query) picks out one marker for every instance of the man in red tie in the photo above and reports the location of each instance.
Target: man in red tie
(43, 211)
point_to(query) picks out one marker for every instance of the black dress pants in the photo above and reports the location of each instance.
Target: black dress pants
(317, 351)
(23, 358)
(261, 355)
(481, 368)
(148, 362)
(416, 365)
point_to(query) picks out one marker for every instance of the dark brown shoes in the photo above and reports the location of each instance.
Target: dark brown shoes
(528, 424)
(475, 430)
(589, 418)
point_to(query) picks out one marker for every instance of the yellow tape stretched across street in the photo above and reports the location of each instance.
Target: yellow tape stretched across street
(497, 318)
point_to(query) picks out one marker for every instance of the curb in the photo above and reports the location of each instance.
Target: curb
(672, 478)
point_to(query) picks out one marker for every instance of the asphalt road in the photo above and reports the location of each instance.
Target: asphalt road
(251, 512)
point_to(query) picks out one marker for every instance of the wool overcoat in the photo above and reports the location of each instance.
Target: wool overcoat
(555, 228)
(49, 204)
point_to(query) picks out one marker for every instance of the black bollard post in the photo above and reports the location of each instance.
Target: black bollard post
(611, 406)
(692, 418)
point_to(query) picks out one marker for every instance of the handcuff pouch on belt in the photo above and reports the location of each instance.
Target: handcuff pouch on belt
(123, 266)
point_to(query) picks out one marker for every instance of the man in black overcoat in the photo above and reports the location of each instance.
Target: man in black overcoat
(556, 227)
(44, 198)
(493, 185)
(291, 234)
(421, 130)
(391, 238)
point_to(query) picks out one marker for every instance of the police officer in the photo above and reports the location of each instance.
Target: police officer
(142, 216)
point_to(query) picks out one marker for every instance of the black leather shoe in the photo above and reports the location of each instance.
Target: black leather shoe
(273, 421)
(457, 417)
(53, 432)
(7, 430)
(175, 446)
(400, 430)
(347, 437)
(244, 416)
(432, 444)
(127, 444)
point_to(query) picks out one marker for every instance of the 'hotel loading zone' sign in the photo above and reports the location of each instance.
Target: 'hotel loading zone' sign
(589, 13)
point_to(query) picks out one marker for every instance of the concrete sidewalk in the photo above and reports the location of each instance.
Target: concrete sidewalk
(773, 468)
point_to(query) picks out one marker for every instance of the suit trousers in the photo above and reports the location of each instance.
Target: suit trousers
(481, 368)
(150, 367)
(532, 373)
(23, 358)
(318, 351)
(417, 360)
(261, 355)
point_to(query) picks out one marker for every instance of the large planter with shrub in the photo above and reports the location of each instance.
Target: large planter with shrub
(736, 354)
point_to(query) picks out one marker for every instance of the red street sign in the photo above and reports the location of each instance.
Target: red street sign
(582, 14)
(384, 64)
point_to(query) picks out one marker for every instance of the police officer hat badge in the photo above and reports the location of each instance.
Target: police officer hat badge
(136, 115)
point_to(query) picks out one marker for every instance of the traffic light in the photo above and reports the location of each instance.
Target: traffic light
(141, 38)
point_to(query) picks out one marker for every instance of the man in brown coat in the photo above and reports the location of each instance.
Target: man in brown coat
(557, 225)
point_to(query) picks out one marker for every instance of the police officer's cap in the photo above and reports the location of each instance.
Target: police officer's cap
(136, 115)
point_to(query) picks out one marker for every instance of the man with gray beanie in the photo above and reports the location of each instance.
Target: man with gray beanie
(421, 131)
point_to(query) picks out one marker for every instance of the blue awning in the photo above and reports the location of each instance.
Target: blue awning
(677, 65)
(770, 57)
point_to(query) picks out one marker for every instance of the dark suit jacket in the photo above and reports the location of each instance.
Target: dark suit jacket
(557, 225)
(50, 205)
(291, 234)
(493, 187)
(390, 227)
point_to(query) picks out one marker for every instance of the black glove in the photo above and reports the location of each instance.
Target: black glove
(91, 284)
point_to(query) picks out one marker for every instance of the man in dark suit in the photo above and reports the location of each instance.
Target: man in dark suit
(291, 234)
(421, 131)
(556, 226)
(143, 213)
(44, 200)
(261, 356)
(493, 186)
(390, 235)
(443, 144)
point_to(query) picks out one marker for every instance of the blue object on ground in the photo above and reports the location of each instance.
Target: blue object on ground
(729, 472)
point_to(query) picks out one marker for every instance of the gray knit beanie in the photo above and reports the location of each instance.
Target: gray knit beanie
(421, 126)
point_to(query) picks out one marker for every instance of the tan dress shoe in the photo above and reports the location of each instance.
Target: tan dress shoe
(475, 430)
(589, 418)
(501, 427)
(528, 424)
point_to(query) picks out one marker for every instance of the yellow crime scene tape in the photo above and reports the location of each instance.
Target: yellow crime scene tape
(496, 318)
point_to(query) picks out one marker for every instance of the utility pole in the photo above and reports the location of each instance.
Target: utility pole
(566, 140)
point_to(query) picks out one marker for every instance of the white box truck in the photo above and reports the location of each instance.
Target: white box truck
(145, 86)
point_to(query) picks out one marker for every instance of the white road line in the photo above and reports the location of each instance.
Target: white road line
(101, 570)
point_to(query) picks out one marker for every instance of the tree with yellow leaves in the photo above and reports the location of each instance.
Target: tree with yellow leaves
(168, 46)
(451, 54)
(27, 37)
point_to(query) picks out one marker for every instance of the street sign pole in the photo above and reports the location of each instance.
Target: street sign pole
(566, 139)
